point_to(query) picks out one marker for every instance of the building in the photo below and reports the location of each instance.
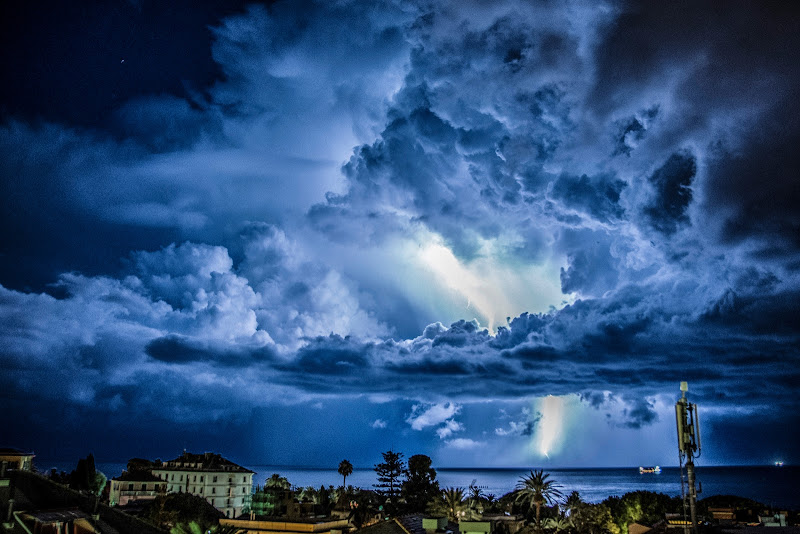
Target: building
(16, 459)
(225, 485)
(55, 522)
(134, 486)
(289, 526)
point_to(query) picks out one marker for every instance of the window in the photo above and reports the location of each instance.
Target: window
(173, 476)
(230, 480)
(201, 478)
(213, 490)
(201, 489)
(181, 478)
(244, 479)
(195, 479)
(130, 487)
(244, 490)
(215, 478)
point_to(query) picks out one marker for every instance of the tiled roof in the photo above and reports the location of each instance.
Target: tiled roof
(204, 462)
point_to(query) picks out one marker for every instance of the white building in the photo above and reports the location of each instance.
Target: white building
(134, 486)
(223, 484)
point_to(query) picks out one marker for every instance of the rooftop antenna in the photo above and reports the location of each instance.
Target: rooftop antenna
(689, 446)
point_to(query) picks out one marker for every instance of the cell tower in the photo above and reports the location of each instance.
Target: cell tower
(687, 419)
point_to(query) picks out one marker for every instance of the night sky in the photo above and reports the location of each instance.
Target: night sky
(495, 233)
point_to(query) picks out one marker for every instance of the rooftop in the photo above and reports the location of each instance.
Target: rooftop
(7, 451)
(201, 462)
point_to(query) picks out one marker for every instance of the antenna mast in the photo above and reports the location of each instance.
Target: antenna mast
(688, 424)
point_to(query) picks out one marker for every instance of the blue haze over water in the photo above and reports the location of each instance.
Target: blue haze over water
(773, 486)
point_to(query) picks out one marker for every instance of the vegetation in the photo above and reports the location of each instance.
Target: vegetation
(194, 528)
(557, 524)
(140, 465)
(420, 486)
(450, 503)
(86, 478)
(180, 510)
(535, 490)
(345, 469)
(271, 500)
(641, 507)
(594, 519)
(390, 479)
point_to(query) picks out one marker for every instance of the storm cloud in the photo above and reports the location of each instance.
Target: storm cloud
(428, 215)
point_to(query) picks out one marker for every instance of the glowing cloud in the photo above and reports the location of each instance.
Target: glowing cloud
(455, 275)
(490, 287)
(549, 435)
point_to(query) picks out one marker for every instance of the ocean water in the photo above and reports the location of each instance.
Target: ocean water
(775, 486)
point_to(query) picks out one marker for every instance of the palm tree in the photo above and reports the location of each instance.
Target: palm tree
(572, 503)
(536, 490)
(345, 469)
(557, 524)
(194, 528)
(454, 502)
(475, 500)
(277, 482)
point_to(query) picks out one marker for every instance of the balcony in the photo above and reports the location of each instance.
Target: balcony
(138, 493)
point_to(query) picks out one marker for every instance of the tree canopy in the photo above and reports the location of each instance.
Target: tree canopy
(420, 486)
(345, 469)
(390, 477)
(535, 490)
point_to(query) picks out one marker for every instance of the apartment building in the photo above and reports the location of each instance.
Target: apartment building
(223, 484)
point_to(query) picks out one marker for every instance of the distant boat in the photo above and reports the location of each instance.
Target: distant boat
(644, 470)
(779, 463)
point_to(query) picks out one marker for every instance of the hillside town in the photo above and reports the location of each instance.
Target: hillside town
(196, 493)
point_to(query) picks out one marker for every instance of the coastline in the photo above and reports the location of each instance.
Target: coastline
(770, 485)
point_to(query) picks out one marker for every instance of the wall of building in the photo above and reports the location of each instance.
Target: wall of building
(122, 492)
(227, 491)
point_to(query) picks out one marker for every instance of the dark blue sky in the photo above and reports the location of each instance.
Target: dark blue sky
(494, 233)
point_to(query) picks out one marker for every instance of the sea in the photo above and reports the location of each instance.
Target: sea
(777, 487)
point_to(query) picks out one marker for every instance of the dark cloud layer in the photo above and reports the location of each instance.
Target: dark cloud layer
(289, 216)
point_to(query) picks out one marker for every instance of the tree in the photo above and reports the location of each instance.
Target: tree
(476, 498)
(363, 506)
(139, 465)
(420, 486)
(646, 507)
(345, 469)
(273, 498)
(390, 473)
(194, 528)
(557, 524)
(277, 482)
(171, 510)
(572, 503)
(83, 475)
(593, 519)
(453, 501)
(535, 490)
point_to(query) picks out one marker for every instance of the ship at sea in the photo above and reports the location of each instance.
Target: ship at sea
(645, 470)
